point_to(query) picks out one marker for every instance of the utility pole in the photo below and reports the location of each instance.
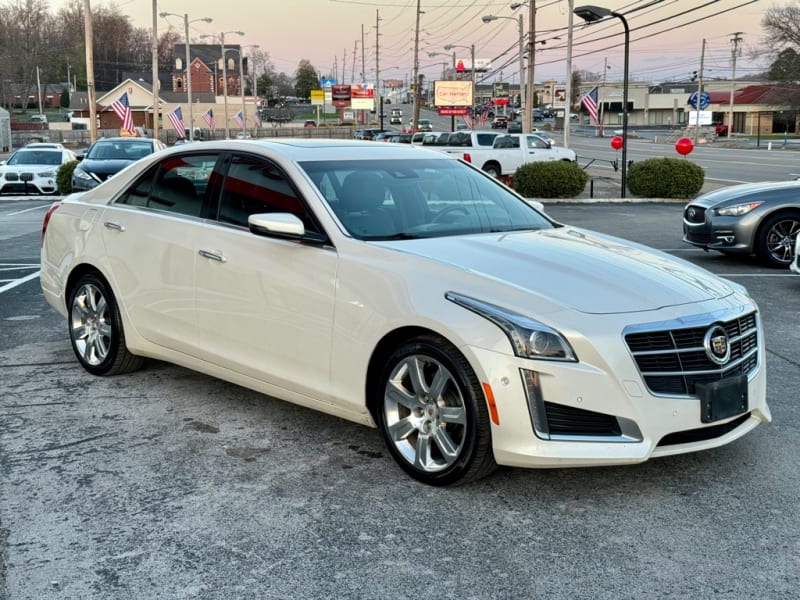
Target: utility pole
(378, 64)
(530, 96)
(699, 91)
(344, 65)
(568, 82)
(734, 53)
(155, 70)
(355, 51)
(415, 80)
(363, 58)
(89, 29)
(599, 101)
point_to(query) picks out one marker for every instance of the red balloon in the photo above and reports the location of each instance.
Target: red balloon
(616, 142)
(684, 146)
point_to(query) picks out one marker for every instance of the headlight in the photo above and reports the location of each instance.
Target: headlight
(48, 174)
(737, 210)
(80, 174)
(528, 337)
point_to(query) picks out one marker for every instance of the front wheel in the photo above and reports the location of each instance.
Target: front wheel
(775, 241)
(433, 414)
(95, 329)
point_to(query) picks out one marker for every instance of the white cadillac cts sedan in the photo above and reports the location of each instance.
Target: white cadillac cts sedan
(401, 288)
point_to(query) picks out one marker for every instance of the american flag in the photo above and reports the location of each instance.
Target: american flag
(468, 120)
(176, 118)
(208, 117)
(589, 102)
(239, 118)
(123, 111)
(257, 118)
(483, 118)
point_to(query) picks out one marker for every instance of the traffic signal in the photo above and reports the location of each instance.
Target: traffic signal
(694, 75)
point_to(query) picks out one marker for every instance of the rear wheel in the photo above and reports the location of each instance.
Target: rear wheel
(95, 329)
(433, 414)
(775, 241)
(492, 169)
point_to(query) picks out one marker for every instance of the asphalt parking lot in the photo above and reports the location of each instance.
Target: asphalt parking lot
(169, 484)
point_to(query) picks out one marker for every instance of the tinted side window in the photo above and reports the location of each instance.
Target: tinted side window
(254, 185)
(181, 183)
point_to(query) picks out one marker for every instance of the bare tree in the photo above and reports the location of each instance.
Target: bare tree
(782, 25)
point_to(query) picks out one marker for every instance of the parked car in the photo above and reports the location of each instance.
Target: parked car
(721, 129)
(107, 157)
(243, 135)
(33, 168)
(310, 123)
(463, 323)
(500, 123)
(753, 218)
(514, 127)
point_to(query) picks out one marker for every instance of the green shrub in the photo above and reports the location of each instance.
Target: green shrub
(64, 177)
(554, 179)
(665, 178)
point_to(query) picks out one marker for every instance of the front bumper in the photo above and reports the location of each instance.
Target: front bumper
(705, 230)
(600, 411)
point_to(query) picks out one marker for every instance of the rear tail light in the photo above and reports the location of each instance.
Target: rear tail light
(467, 157)
(53, 207)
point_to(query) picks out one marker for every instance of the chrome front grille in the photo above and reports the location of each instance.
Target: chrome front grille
(672, 361)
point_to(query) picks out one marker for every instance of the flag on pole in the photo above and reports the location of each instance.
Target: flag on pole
(589, 102)
(239, 118)
(208, 117)
(483, 118)
(257, 118)
(468, 120)
(123, 111)
(176, 118)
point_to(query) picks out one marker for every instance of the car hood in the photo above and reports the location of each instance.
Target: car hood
(28, 168)
(103, 167)
(764, 190)
(575, 268)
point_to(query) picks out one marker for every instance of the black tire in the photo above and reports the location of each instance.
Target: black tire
(95, 329)
(442, 438)
(492, 169)
(774, 243)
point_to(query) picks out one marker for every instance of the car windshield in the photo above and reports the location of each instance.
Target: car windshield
(119, 150)
(35, 157)
(412, 198)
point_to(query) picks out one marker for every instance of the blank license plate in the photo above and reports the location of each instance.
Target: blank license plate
(722, 399)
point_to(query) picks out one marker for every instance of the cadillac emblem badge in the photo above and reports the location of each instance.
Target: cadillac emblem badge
(717, 345)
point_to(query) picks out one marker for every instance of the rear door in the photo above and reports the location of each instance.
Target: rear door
(150, 234)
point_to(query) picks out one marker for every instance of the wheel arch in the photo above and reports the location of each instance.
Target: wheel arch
(778, 211)
(381, 353)
(77, 272)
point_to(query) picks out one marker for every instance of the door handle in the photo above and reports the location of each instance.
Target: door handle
(114, 226)
(212, 255)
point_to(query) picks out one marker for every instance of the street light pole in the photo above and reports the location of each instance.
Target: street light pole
(471, 49)
(590, 14)
(489, 19)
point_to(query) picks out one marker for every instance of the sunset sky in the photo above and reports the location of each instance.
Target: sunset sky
(665, 40)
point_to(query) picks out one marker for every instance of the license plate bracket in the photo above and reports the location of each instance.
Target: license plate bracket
(722, 399)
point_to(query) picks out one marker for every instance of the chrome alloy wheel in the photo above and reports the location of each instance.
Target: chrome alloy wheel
(780, 240)
(90, 324)
(425, 413)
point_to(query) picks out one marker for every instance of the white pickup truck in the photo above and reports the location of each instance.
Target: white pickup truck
(508, 152)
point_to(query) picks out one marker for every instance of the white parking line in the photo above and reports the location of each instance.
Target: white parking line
(16, 282)
(19, 212)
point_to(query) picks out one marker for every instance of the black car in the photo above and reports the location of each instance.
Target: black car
(753, 218)
(107, 157)
(514, 127)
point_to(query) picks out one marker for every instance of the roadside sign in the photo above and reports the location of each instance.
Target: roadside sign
(705, 100)
(317, 97)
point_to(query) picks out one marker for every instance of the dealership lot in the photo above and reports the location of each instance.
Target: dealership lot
(166, 483)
